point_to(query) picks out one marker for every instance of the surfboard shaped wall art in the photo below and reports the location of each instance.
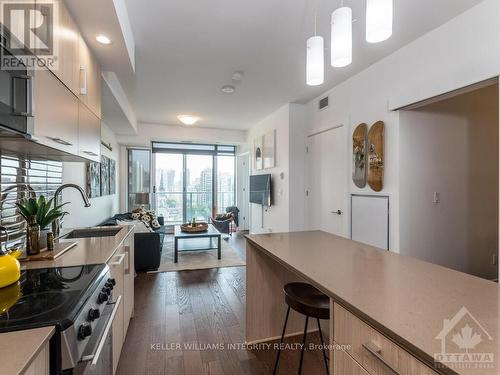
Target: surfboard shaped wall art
(376, 156)
(359, 161)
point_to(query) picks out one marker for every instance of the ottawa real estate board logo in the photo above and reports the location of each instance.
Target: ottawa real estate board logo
(463, 343)
(28, 36)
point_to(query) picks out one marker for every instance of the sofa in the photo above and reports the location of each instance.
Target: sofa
(147, 246)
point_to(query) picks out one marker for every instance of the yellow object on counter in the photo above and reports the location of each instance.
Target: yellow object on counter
(10, 269)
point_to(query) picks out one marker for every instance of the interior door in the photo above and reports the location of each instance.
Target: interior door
(327, 199)
(243, 173)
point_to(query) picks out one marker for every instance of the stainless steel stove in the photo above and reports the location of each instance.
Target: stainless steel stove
(78, 301)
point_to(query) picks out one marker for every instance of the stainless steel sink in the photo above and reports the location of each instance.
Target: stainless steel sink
(92, 232)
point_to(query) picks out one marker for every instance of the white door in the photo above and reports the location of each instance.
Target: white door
(327, 199)
(243, 175)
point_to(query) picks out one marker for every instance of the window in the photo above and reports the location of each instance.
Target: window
(192, 180)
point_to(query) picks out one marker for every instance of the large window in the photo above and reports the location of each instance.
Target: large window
(192, 180)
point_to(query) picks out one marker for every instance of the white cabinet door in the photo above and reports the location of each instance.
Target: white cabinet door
(117, 266)
(56, 113)
(89, 134)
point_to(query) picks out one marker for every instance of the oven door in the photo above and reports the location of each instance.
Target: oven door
(97, 359)
(16, 95)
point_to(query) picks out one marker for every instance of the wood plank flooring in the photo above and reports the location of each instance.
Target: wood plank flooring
(193, 322)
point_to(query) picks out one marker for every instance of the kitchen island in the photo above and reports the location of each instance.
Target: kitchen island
(389, 313)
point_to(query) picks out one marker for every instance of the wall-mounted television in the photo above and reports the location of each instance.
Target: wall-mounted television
(260, 189)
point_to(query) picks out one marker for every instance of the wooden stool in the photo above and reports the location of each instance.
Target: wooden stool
(308, 301)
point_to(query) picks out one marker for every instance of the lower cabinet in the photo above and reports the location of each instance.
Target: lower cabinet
(122, 268)
(343, 364)
(40, 364)
(370, 349)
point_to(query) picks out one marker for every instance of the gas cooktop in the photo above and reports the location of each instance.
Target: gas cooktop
(48, 296)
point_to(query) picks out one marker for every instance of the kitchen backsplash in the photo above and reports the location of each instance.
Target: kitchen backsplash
(44, 177)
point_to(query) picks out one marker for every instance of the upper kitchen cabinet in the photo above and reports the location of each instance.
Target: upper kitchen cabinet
(90, 79)
(76, 66)
(56, 113)
(89, 134)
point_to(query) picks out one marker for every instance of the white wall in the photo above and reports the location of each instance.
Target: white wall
(102, 207)
(288, 210)
(451, 147)
(170, 133)
(274, 218)
(454, 55)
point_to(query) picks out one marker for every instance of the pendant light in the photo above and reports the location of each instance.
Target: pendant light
(379, 15)
(341, 49)
(315, 59)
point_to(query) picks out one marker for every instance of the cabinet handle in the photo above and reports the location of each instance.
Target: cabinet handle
(127, 251)
(375, 351)
(61, 141)
(118, 262)
(90, 153)
(83, 87)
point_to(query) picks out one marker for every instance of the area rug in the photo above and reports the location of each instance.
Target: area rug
(197, 260)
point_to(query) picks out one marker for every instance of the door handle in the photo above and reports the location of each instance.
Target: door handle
(338, 212)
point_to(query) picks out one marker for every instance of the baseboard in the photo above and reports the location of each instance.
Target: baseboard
(279, 337)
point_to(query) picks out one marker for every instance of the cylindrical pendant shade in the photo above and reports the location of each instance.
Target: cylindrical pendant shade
(341, 49)
(379, 14)
(315, 61)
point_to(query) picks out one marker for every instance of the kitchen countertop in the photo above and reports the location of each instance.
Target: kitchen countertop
(18, 349)
(92, 250)
(405, 298)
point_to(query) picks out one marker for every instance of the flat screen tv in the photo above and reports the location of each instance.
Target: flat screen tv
(260, 189)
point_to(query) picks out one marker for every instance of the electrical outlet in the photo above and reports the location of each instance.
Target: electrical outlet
(495, 259)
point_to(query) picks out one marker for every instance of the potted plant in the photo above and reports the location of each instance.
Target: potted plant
(44, 212)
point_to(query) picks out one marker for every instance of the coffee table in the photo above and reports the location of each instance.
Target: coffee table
(210, 233)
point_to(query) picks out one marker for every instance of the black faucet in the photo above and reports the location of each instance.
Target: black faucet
(56, 224)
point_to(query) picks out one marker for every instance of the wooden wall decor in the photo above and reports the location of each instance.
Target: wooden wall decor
(376, 156)
(359, 145)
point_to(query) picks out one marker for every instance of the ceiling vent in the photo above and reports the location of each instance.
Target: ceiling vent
(323, 103)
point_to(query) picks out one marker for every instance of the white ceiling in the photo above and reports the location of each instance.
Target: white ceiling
(187, 50)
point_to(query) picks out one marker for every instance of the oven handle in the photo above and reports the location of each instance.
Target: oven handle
(95, 356)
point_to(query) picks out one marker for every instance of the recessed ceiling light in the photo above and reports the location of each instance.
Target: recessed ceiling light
(188, 119)
(103, 39)
(228, 89)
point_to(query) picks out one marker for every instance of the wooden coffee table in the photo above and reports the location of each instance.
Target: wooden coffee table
(210, 234)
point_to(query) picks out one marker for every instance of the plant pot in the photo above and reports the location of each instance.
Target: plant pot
(43, 238)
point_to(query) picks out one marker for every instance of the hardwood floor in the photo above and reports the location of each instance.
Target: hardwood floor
(193, 322)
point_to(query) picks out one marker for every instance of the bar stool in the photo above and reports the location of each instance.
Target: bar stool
(308, 301)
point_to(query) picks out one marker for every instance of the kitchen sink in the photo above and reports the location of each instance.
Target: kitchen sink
(92, 232)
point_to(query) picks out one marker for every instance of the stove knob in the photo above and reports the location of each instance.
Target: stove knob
(112, 281)
(109, 285)
(85, 330)
(93, 314)
(102, 297)
(106, 290)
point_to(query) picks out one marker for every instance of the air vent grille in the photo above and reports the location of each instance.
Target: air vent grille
(323, 103)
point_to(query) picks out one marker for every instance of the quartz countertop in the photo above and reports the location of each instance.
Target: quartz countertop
(405, 298)
(92, 250)
(19, 348)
